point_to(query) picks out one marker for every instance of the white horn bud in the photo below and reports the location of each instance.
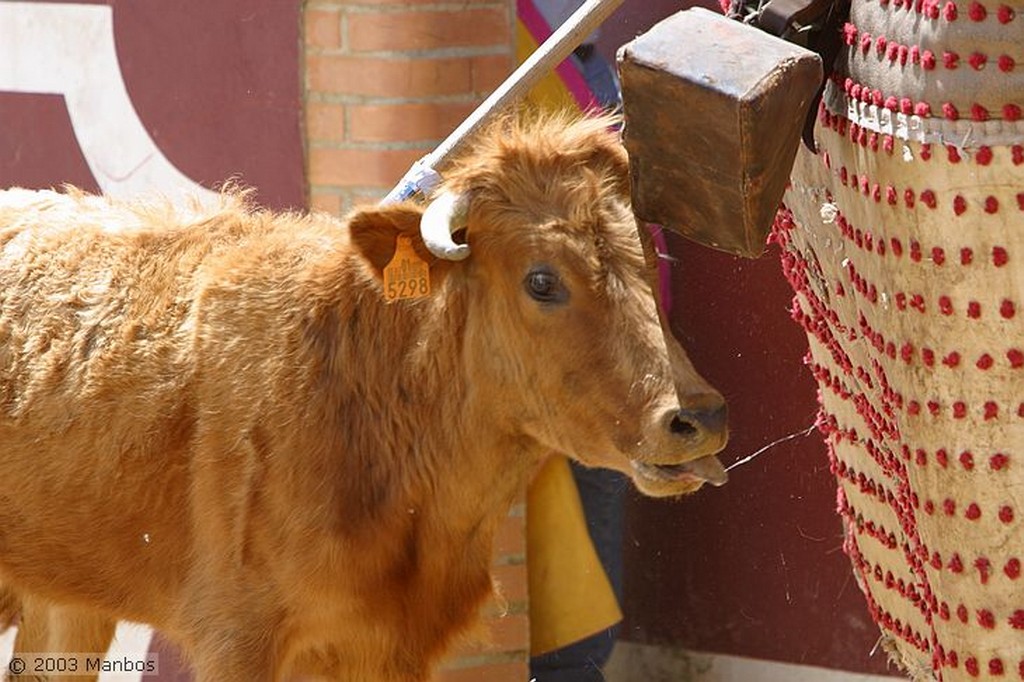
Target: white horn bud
(445, 214)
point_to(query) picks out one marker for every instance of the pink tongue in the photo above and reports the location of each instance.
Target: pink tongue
(709, 469)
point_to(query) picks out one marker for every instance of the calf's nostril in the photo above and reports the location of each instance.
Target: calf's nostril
(691, 421)
(681, 425)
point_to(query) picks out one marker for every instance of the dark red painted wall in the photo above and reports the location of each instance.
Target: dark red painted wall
(754, 568)
(216, 85)
(37, 145)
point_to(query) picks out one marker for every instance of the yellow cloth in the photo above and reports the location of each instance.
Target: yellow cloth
(570, 595)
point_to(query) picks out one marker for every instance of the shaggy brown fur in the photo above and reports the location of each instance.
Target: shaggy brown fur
(214, 423)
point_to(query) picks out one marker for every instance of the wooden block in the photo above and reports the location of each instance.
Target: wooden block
(713, 115)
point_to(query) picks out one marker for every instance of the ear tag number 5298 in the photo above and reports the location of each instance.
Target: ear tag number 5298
(407, 275)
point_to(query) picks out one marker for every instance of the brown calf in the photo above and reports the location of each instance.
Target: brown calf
(215, 423)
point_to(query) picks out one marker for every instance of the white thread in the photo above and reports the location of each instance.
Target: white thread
(753, 455)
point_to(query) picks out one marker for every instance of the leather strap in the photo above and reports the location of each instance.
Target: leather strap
(779, 17)
(814, 24)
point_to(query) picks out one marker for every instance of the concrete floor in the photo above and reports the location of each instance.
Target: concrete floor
(641, 663)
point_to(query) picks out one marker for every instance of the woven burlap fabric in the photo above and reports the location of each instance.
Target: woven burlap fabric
(962, 62)
(905, 246)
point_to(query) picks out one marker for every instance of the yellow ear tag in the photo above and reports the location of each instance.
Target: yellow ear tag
(407, 275)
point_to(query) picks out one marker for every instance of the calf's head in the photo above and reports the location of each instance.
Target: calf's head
(562, 335)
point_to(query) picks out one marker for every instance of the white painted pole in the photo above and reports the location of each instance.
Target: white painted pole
(423, 176)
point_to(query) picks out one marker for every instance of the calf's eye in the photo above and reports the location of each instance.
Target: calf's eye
(545, 286)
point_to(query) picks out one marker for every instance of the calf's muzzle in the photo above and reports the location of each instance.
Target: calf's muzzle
(701, 430)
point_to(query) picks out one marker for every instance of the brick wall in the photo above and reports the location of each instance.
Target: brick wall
(501, 654)
(385, 81)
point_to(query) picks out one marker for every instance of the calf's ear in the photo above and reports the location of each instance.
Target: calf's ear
(375, 230)
(613, 156)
